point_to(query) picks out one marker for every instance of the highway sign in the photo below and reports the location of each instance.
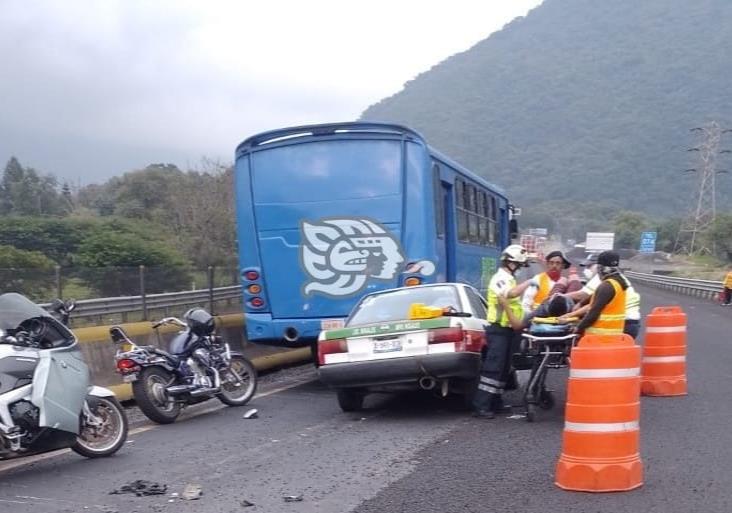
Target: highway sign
(648, 242)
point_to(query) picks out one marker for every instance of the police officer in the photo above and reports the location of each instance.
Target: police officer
(501, 332)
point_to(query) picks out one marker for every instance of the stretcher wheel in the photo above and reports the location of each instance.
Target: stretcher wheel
(546, 400)
(530, 412)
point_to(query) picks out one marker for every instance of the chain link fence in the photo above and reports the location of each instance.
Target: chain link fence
(85, 283)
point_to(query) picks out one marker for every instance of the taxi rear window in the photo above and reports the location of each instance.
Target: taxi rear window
(394, 305)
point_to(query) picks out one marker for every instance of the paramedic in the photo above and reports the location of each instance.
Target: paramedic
(501, 333)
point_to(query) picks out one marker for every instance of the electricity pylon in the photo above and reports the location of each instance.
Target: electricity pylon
(703, 209)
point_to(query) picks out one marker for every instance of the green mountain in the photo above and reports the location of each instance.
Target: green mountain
(584, 99)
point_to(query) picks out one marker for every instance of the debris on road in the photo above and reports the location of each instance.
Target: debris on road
(140, 487)
(246, 504)
(192, 492)
(251, 414)
(292, 498)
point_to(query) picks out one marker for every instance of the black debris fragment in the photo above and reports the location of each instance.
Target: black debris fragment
(140, 487)
(292, 498)
(246, 504)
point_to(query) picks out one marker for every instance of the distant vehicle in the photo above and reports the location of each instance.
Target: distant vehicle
(384, 348)
(329, 213)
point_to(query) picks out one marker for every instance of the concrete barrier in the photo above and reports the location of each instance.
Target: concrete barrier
(99, 350)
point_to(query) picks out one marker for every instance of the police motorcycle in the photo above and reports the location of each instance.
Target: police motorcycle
(46, 400)
(198, 367)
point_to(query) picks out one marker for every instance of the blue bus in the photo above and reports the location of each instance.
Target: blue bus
(328, 213)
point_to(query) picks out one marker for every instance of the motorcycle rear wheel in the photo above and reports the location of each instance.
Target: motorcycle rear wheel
(240, 392)
(104, 440)
(151, 398)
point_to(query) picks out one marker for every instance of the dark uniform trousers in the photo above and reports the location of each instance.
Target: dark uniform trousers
(496, 367)
(632, 327)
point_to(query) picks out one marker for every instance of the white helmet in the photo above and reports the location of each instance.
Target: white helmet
(515, 253)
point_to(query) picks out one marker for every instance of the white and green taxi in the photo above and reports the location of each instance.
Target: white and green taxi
(429, 337)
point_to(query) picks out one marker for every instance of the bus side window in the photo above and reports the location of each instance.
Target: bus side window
(439, 201)
(492, 222)
(462, 214)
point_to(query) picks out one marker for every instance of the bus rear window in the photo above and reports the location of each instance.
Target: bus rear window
(326, 170)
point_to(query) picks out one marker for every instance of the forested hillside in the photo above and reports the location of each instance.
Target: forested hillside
(584, 99)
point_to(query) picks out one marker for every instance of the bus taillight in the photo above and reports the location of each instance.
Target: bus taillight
(412, 281)
(251, 275)
(257, 302)
(254, 289)
(337, 345)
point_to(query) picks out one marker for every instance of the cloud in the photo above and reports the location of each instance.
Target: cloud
(183, 77)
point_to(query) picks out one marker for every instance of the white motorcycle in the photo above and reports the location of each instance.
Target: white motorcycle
(46, 400)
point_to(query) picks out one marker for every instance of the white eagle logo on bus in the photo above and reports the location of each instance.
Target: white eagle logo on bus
(340, 255)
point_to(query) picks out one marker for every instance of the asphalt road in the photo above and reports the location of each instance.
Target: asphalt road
(403, 453)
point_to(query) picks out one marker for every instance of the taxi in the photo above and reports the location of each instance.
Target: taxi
(428, 337)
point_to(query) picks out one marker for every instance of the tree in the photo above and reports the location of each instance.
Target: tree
(27, 192)
(719, 237)
(109, 261)
(30, 273)
(628, 227)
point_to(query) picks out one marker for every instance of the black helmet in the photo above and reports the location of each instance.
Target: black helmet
(199, 321)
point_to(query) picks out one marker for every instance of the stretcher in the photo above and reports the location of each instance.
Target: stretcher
(545, 344)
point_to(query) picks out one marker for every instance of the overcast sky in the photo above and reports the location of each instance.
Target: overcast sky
(95, 88)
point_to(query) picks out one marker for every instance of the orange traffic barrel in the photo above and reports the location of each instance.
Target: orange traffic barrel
(663, 369)
(601, 439)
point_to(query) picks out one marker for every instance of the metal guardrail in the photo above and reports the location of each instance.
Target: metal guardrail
(706, 289)
(142, 304)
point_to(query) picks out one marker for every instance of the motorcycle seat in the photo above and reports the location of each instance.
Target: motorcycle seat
(174, 359)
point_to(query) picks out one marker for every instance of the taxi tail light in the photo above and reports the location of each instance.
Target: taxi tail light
(444, 335)
(337, 345)
(464, 340)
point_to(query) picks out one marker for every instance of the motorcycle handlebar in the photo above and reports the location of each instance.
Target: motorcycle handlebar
(169, 320)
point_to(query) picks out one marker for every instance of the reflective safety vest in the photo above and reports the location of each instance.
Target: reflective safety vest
(728, 280)
(612, 318)
(632, 304)
(496, 314)
(545, 287)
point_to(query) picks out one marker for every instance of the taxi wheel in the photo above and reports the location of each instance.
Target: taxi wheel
(350, 399)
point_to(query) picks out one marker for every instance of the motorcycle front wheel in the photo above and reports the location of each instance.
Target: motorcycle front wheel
(151, 397)
(105, 432)
(239, 382)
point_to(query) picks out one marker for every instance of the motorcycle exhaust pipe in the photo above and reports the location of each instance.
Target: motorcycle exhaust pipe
(427, 382)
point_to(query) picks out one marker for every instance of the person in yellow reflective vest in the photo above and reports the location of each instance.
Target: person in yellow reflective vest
(541, 285)
(727, 288)
(606, 315)
(632, 299)
(502, 333)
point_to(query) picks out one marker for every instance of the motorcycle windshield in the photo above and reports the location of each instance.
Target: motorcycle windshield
(14, 309)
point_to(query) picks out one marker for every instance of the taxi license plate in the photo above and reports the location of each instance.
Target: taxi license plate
(387, 346)
(129, 378)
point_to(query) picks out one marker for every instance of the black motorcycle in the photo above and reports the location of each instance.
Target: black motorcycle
(198, 367)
